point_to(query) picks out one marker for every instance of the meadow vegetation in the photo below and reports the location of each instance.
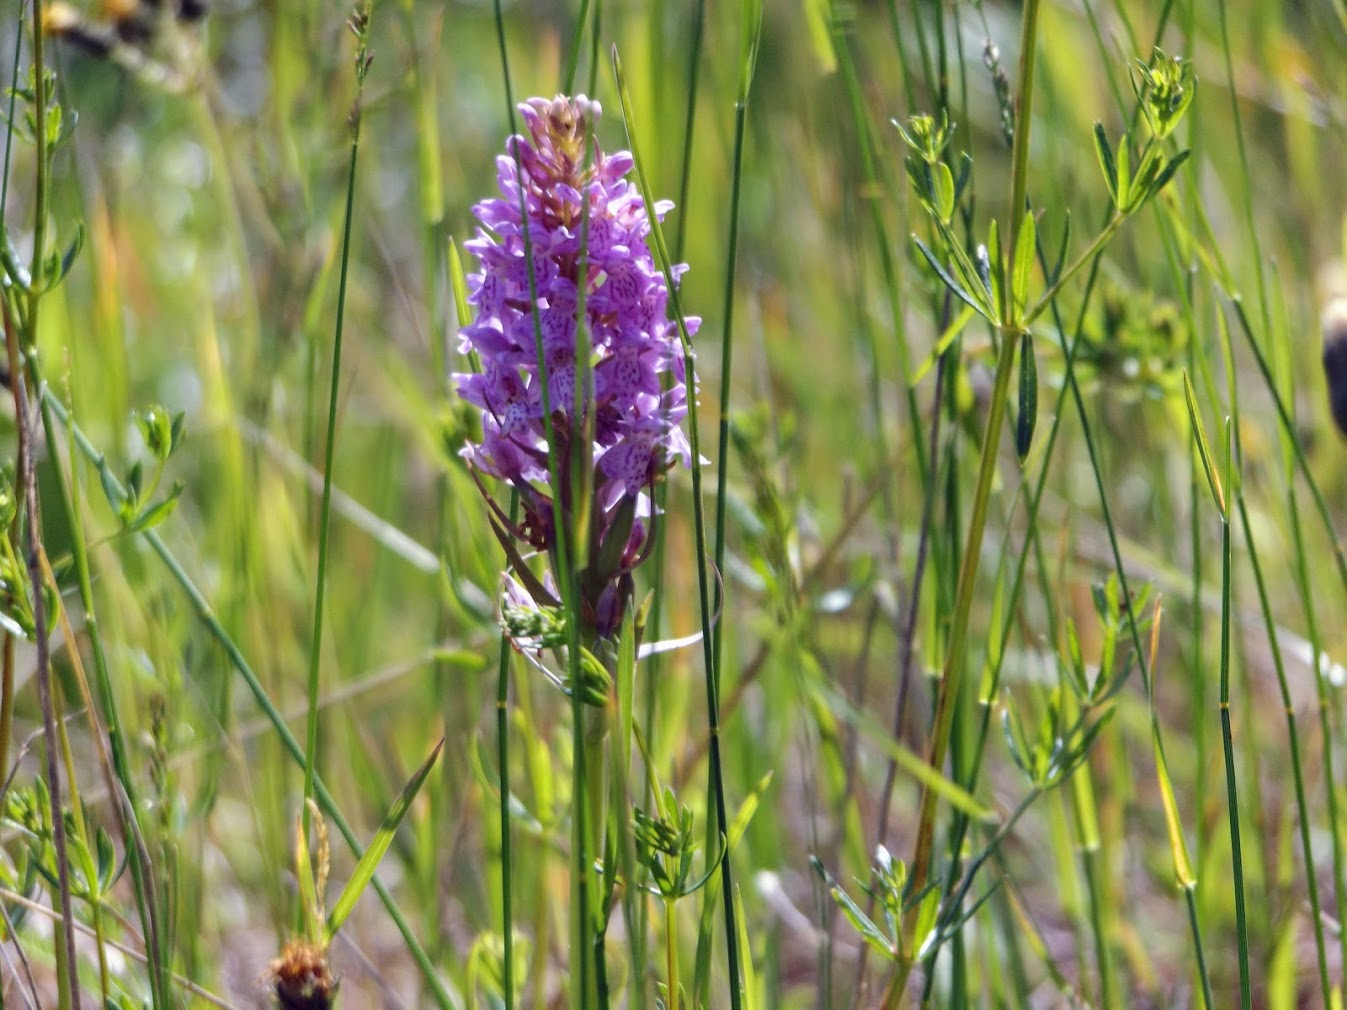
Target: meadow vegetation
(980, 646)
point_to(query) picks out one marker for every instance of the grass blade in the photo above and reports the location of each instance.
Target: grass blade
(383, 838)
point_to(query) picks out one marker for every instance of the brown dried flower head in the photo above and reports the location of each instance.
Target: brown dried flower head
(302, 979)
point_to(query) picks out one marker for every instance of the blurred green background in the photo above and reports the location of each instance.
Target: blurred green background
(207, 282)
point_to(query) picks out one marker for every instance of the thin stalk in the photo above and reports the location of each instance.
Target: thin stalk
(595, 36)
(573, 55)
(506, 835)
(657, 566)
(595, 816)
(1231, 788)
(752, 31)
(334, 387)
(21, 348)
(1012, 602)
(1087, 257)
(685, 164)
(66, 963)
(712, 674)
(7, 673)
(675, 1000)
(67, 487)
(1293, 739)
(1294, 440)
(1246, 190)
(1190, 897)
(9, 123)
(1321, 694)
(7, 683)
(1108, 980)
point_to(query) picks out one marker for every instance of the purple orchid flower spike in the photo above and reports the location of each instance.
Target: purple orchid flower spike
(617, 423)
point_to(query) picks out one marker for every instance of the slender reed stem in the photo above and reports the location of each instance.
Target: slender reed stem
(1293, 740)
(712, 673)
(675, 1000)
(141, 877)
(21, 350)
(7, 673)
(67, 964)
(334, 387)
(573, 55)
(685, 165)
(1231, 787)
(752, 30)
(506, 832)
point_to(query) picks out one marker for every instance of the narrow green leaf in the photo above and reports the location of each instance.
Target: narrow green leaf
(383, 838)
(992, 261)
(1162, 180)
(965, 173)
(748, 46)
(925, 931)
(952, 331)
(949, 281)
(626, 690)
(910, 762)
(1142, 184)
(816, 16)
(519, 567)
(158, 512)
(1124, 167)
(1203, 448)
(750, 979)
(458, 281)
(973, 276)
(942, 185)
(135, 480)
(1106, 162)
(1178, 845)
(71, 254)
(1022, 266)
(860, 922)
(1028, 413)
(1062, 251)
(746, 811)
(308, 891)
(519, 813)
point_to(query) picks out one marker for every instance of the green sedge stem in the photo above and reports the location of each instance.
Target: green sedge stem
(1231, 788)
(334, 387)
(712, 673)
(1293, 739)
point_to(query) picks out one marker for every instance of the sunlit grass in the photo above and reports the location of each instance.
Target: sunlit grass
(1166, 834)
